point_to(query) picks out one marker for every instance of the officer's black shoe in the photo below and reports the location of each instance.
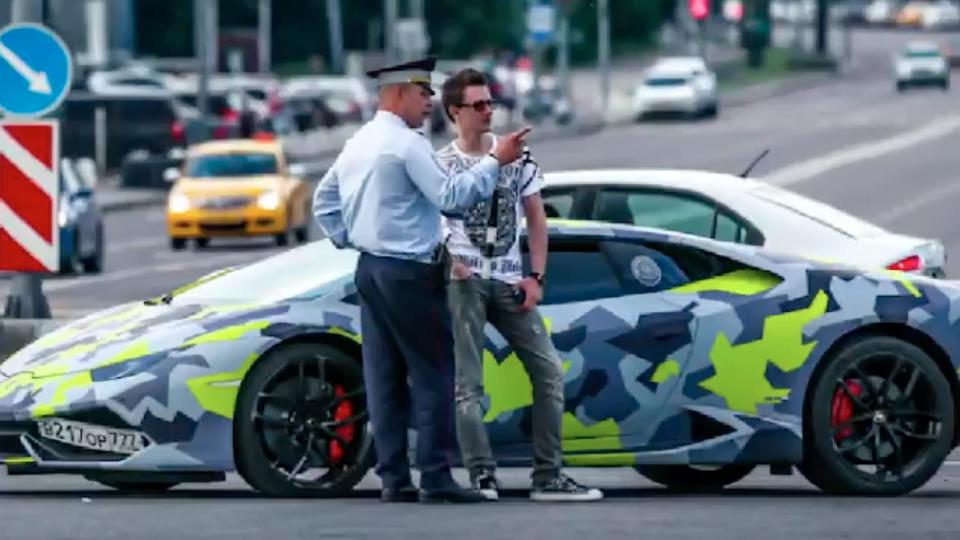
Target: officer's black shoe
(452, 494)
(401, 495)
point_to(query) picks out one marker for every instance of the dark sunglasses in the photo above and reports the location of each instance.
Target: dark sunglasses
(480, 105)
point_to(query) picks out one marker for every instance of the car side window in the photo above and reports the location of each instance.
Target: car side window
(643, 269)
(652, 209)
(558, 202)
(729, 230)
(577, 271)
(669, 211)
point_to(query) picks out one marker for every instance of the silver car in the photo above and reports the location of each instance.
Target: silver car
(678, 85)
(922, 63)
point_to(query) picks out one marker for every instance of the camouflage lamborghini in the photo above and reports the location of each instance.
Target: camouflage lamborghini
(689, 360)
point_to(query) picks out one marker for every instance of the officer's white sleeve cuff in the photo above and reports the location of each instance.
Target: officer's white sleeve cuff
(489, 165)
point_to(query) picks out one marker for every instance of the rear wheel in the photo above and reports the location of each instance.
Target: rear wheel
(178, 243)
(695, 477)
(301, 423)
(94, 263)
(880, 420)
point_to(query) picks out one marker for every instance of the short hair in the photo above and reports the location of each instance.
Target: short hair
(453, 87)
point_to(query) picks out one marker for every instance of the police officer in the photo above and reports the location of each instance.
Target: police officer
(383, 196)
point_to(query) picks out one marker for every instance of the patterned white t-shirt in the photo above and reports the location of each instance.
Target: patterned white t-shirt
(467, 235)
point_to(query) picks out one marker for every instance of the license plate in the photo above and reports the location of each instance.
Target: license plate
(90, 436)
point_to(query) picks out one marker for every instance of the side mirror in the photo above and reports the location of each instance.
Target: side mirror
(171, 174)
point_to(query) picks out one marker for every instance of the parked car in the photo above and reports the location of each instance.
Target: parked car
(132, 122)
(740, 210)
(80, 223)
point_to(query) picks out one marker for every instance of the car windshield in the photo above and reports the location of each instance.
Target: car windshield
(666, 81)
(232, 164)
(923, 54)
(306, 270)
(817, 211)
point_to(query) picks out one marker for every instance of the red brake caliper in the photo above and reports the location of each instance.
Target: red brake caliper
(841, 408)
(343, 411)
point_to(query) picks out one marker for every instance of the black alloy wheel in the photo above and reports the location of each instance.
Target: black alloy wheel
(880, 421)
(301, 423)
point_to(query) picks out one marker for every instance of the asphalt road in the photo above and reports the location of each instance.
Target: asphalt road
(853, 142)
(760, 506)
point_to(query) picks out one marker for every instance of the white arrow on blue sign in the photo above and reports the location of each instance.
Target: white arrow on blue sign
(35, 70)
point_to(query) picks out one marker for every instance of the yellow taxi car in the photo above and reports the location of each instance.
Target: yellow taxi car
(236, 188)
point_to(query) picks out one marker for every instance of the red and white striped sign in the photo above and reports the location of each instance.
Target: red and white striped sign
(29, 196)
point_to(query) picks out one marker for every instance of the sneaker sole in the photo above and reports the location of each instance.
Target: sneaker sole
(490, 494)
(566, 497)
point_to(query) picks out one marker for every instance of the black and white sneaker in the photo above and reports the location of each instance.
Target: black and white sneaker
(487, 485)
(564, 488)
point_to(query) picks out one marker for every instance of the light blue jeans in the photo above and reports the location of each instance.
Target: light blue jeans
(473, 302)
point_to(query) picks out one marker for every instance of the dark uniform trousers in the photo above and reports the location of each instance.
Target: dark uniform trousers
(405, 324)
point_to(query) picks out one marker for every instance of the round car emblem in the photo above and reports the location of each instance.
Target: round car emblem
(645, 270)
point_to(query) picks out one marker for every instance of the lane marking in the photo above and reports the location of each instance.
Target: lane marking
(810, 168)
(929, 197)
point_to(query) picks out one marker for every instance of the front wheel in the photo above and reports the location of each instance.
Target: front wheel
(692, 478)
(880, 420)
(301, 423)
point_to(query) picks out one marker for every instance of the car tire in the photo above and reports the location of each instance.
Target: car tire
(272, 425)
(861, 370)
(94, 263)
(712, 111)
(177, 244)
(302, 234)
(282, 239)
(901, 87)
(694, 478)
(201, 242)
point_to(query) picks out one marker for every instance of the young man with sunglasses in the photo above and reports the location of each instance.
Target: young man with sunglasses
(487, 284)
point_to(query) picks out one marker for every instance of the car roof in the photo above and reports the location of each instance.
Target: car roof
(234, 145)
(677, 64)
(688, 179)
(922, 46)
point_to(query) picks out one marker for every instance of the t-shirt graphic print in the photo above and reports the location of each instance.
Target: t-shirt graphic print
(468, 238)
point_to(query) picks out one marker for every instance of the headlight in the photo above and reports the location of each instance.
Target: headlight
(179, 203)
(269, 200)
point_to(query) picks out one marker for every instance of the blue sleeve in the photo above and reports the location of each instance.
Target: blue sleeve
(449, 193)
(327, 209)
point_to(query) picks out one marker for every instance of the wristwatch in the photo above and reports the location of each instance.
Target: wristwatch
(537, 276)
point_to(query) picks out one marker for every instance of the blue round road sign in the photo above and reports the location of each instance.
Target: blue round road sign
(35, 70)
